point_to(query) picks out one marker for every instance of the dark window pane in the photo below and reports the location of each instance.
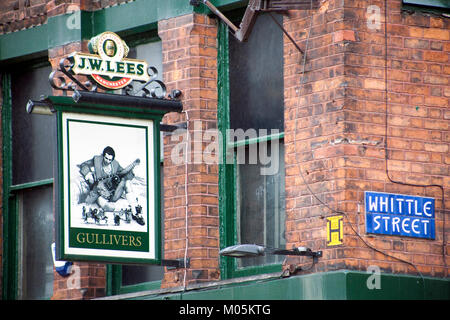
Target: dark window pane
(37, 237)
(139, 274)
(33, 139)
(256, 78)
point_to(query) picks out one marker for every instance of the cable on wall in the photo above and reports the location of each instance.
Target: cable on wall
(186, 162)
(386, 153)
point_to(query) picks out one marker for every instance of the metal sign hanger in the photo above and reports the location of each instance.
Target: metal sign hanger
(255, 7)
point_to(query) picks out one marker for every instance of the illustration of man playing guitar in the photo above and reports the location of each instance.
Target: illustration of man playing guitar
(108, 182)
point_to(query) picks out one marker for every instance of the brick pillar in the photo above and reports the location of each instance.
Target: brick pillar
(190, 64)
(314, 119)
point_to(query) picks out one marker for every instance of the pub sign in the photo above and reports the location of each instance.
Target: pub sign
(108, 157)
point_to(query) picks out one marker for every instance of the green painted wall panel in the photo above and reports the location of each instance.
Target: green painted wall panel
(397, 287)
(21, 43)
(338, 285)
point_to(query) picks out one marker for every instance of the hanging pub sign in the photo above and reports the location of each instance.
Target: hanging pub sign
(108, 157)
(107, 64)
(401, 215)
(108, 186)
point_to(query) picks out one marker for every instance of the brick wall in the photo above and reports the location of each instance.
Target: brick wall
(20, 14)
(23, 14)
(336, 122)
(87, 281)
(190, 65)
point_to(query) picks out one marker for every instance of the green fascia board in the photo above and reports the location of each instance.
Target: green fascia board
(67, 28)
(397, 287)
(125, 19)
(23, 43)
(333, 285)
(138, 15)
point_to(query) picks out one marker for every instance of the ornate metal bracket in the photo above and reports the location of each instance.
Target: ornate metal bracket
(151, 89)
(59, 82)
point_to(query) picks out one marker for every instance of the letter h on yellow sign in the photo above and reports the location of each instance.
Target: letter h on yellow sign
(335, 231)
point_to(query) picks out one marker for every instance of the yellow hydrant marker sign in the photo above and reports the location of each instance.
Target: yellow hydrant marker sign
(335, 230)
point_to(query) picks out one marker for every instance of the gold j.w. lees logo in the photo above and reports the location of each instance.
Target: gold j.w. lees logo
(107, 63)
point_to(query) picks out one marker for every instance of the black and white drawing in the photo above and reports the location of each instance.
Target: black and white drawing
(108, 172)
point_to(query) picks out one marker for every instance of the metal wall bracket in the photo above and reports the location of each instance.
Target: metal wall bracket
(254, 7)
(171, 128)
(176, 263)
(300, 251)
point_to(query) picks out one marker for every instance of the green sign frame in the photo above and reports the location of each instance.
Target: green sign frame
(87, 230)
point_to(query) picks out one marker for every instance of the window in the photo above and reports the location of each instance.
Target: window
(132, 278)
(28, 141)
(251, 116)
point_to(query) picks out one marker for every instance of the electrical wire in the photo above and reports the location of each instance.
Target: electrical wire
(386, 153)
(186, 162)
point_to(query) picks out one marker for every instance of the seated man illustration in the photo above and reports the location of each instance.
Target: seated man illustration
(108, 182)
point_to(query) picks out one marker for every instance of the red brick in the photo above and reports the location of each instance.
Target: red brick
(344, 35)
(436, 33)
(436, 56)
(435, 79)
(417, 43)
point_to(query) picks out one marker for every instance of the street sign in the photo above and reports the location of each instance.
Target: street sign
(401, 215)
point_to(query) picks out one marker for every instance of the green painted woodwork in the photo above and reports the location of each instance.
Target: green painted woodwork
(397, 287)
(31, 184)
(247, 142)
(23, 43)
(226, 171)
(336, 285)
(10, 234)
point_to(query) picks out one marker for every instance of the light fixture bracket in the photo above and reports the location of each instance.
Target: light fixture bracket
(253, 250)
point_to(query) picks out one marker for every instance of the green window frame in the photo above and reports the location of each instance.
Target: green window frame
(15, 272)
(230, 267)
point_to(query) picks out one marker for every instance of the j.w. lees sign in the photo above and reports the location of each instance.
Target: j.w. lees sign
(107, 63)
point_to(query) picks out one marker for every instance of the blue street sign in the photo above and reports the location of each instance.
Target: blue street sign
(402, 215)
